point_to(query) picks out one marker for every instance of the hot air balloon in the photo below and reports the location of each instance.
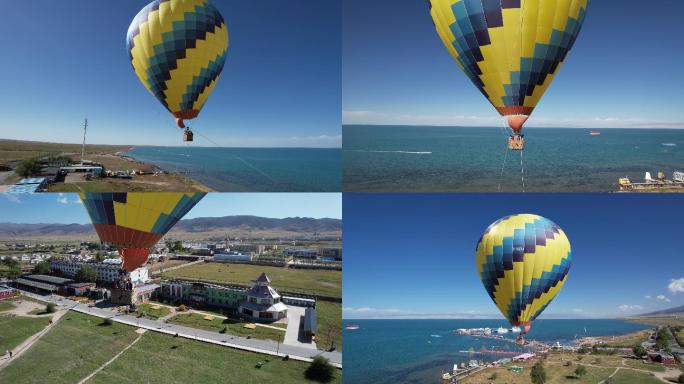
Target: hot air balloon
(178, 49)
(510, 49)
(135, 222)
(523, 261)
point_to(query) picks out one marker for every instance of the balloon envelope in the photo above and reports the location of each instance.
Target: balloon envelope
(510, 49)
(178, 49)
(135, 222)
(523, 261)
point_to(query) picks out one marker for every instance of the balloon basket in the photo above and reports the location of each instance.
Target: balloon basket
(188, 135)
(516, 142)
(520, 340)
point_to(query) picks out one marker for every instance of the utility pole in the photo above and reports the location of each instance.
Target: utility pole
(85, 129)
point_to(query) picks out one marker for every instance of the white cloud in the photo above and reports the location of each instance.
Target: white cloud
(577, 310)
(676, 285)
(493, 120)
(77, 201)
(648, 297)
(62, 199)
(663, 298)
(630, 308)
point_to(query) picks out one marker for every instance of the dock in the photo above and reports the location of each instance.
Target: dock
(659, 184)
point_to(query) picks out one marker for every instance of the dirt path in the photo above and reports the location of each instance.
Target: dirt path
(140, 332)
(23, 307)
(28, 343)
(669, 372)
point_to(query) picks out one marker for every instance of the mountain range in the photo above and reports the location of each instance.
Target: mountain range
(228, 225)
(675, 311)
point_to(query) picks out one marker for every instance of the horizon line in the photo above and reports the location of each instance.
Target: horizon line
(496, 127)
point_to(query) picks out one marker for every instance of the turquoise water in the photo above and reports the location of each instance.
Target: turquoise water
(441, 159)
(417, 351)
(251, 169)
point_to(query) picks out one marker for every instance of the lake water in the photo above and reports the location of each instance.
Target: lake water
(418, 351)
(442, 159)
(251, 169)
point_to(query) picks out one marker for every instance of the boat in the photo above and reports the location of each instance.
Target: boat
(352, 327)
(501, 330)
(487, 331)
(516, 329)
(595, 133)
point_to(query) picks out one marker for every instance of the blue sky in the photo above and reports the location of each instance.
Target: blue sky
(624, 71)
(413, 255)
(65, 60)
(66, 208)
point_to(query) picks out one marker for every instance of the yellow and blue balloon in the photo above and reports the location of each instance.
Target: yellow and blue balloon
(523, 261)
(178, 49)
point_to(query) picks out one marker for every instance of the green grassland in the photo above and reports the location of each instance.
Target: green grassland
(15, 329)
(163, 359)
(149, 312)
(6, 305)
(79, 344)
(197, 320)
(315, 282)
(673, 321)
(70, 351)
(329, 317)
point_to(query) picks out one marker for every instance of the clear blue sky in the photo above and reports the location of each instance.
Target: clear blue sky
(65, 60)
(413, 255)
(624, 71)
(66, 207)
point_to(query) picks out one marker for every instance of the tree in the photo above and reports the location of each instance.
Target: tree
(107, 322)
(14, 272)
(28, 167)
(177, 246)
(99, 256)
(50, 308)
(639, 351)
(86, 275)
(538, 373)
(580, 371)
(320, 370)
(42, 268)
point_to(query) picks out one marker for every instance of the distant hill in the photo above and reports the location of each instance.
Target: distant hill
(204, 226)
(676, 311)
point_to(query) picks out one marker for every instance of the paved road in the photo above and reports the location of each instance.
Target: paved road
(294, 317)
(255, 345)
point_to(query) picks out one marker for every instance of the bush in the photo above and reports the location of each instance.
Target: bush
(580, 371)
(42, 268)
(493, 376)
(538, 373)
(86, 275)
(639, 351)
(28, 167)
(182, 308)
(681, 378)
(108, 322)
(50, 308)
(320, 370)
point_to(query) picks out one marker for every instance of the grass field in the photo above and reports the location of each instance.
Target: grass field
(626, 341)
(321, 282)
(598, 367)
(6, 305)
(236, 328)
(15, 329)
(151, 312)
(329, 316)
(76, 347)
(166, 264)
(70, 351)
(630, 377)
(674, 321)
(163, 359)
(645, 366)
(680, 338)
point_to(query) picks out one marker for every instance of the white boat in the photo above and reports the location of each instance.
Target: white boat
(516, 329)
(487, 331)
(352, 327)
(501, 330)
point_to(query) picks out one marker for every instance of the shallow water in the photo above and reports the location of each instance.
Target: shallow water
(407, 351)
(439, 159)
(251, 169)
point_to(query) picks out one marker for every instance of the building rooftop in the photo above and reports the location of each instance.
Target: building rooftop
(263, 278)
(310, 323)
(49, 279)
(35, 284)
(277, 307)
(263, 292)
